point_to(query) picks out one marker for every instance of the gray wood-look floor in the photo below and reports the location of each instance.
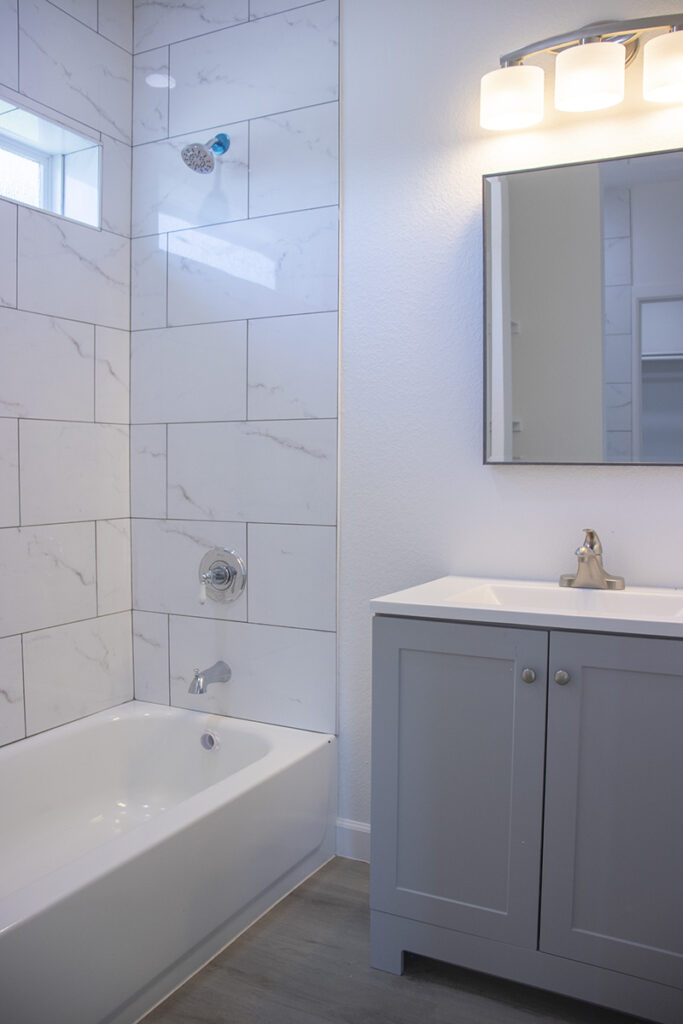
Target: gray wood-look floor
(307, 962)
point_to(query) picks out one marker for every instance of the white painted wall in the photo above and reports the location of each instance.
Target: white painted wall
(416, 501)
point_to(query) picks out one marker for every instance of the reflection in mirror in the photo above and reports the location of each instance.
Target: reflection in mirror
(584, 312)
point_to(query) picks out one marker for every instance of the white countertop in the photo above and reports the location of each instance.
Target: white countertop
(649, 611)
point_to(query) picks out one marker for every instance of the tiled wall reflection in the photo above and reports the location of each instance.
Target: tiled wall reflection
(234, 352)
(65, 597)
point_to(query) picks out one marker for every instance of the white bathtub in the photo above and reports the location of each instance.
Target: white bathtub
(130, 854)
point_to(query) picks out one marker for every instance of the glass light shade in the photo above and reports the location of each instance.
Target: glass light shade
(512, 98)
(663, 68)
(590, 76)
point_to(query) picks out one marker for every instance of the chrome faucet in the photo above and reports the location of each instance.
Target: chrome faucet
(218, 673)
(590, 572)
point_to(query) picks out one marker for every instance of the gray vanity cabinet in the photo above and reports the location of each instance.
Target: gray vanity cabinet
(613, 838)
(457, 783)
(464, 839)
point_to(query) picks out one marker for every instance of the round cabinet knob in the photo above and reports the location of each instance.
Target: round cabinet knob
(561, 677)
(528, 675)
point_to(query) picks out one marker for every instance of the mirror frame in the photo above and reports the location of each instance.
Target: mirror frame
(485, 276)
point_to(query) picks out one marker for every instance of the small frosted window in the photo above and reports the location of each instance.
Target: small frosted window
(46, 165)
(21, 178)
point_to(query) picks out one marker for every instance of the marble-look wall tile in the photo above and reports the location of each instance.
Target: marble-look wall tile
(293, 367)
(617, 310)
(73, 471)
(116, 192)
(46, 367)
(292, 575)
(62, 559)
(11, 691)
(618, 357)
(84, 10)
(112, 375)
(262, 8)
(8, 253)
(9, 472)
(150, 96)
(166, 567)
(273, 472)
(165, 21)
(618, 444)
(73, 271)
(148, 282)
(150, 657)
(294, 160)
(115, 21)
(617, 261)
(269, 266)
(187, 374)
(113, 566)
(168, 196)
(73, 69)
(278, 674)
(618, 407)
(9, 50)
(148, 471)
(256, 69)
(616, 212)
(75, 670)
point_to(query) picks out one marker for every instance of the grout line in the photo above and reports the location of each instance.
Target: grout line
(97, 575)
(166, 470)
(237, 220)
(69, 622)
(205, 323)
(23, 681)
(18, 475)
(168, 654)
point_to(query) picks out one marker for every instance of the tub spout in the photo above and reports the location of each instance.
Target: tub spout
(218, 673)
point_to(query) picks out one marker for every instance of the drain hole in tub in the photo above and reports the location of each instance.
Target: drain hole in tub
(210, 741)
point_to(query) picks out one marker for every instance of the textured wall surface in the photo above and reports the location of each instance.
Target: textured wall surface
(65, 598)
(416, 501)
(234, 353)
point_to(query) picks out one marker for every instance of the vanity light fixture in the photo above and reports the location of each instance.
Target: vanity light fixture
(589, 71)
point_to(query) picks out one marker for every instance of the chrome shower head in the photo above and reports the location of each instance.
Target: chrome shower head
(200, 158)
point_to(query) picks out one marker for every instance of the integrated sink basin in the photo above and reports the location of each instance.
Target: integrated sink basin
(648, 611)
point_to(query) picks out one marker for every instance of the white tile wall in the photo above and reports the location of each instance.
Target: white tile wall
(150, 101)
(71, 68)
(167, 196)
(148, 282)
(112, 375)
(185, 374)
(294, 160)
(72, 270)
(58, 373)
(235, 422)
(150, 655)
(293, 367)
(165, 21)
(73, 471)
(148, 471)
(8, 255)
(9, 48)
(115, 21)
(36, 352)
(268, 266)
(292, 575)
(11, 691)
(113, 566)
(9, 472)
(279, 675)
(62, 559)
(166, 566)
(270, 471)
(77, 670)
(618, 357)
(617, 310)
(257, 69)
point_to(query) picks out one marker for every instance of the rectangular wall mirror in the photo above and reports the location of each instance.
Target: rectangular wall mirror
(584, 312)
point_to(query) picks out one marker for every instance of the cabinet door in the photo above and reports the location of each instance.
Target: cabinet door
(457, 781)
(613, 847)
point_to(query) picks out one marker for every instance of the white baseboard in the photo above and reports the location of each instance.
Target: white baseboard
(353, 839)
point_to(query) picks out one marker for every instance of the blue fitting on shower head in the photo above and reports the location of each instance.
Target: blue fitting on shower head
(221, 144)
